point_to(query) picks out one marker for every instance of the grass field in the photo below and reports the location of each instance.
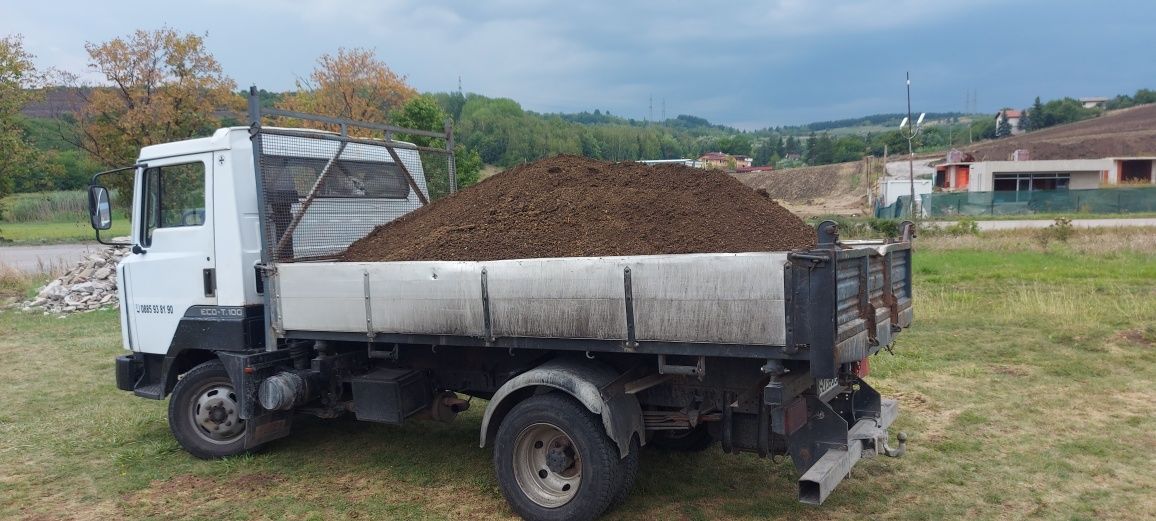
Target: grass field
(51, 217)
(57, 232)
(1026, 387)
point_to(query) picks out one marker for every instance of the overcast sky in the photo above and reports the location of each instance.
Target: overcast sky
(747, 64)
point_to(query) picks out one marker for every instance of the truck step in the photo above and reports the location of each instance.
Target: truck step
(153, 392)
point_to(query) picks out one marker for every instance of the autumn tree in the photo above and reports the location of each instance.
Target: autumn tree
(162, 86)
(353, 84)
(18, 75)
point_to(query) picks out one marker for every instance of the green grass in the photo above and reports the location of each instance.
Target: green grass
(1025, 386)
(51, 217)
(56, 232)
(1050, 216)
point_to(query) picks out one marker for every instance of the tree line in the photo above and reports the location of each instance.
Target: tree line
(163, 85)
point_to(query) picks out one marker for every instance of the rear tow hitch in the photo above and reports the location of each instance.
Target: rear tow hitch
(883, 448)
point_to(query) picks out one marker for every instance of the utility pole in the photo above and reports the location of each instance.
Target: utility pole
(912, 132)
(910, 150)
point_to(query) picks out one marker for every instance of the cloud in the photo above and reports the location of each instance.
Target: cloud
(740, 62)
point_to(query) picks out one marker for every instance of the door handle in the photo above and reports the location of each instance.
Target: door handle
(209, 277)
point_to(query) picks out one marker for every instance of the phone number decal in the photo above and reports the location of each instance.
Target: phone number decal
(154, 309)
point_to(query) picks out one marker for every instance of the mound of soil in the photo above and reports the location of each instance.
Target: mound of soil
(568, 206)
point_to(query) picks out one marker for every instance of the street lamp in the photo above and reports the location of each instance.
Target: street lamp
(912, 132)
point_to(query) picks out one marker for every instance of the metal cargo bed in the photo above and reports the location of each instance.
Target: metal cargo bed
(832, 305)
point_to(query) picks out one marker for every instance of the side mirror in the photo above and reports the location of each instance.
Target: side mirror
(99, 209)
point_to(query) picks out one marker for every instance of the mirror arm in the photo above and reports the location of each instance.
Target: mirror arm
(95, 181)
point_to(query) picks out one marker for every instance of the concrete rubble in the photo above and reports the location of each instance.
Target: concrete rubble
(89, 285)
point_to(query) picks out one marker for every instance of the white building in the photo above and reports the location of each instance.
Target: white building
(1059, 174)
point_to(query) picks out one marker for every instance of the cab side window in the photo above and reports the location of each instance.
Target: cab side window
(174, 197)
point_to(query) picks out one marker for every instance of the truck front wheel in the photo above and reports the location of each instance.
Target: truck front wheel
(203, 413)
(554, 461)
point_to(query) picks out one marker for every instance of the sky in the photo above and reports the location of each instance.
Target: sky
(748, 64)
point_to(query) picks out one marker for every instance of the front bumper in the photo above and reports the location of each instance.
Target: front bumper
(128, 372)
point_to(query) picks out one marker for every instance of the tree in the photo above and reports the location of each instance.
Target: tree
(1003, 128)
(983, 128)
(1039, 118)
(353, 84)
(425, 113)
(164, 86)
(17, 76)
(1025, 122)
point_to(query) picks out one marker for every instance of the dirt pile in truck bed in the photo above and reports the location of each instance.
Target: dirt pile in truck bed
(568, 206)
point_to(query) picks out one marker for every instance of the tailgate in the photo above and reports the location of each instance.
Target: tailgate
(847, 300)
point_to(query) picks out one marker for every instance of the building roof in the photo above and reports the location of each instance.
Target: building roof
(1009, 113)
(1094, 99)
(714, 156)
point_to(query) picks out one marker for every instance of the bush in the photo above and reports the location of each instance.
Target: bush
(884, 227)
(965, 226)
(1060, 231)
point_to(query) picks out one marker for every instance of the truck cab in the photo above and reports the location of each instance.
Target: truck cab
(192, 285)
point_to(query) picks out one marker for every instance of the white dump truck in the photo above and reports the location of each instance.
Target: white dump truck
(234, 305)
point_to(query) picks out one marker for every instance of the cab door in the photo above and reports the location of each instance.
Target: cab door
(173, 265)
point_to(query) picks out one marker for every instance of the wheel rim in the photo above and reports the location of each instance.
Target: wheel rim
(214, 414)
(547, 465)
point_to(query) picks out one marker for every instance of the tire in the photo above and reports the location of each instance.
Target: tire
(626, 474)
(578, 468)
(203, 413)
(697, 439)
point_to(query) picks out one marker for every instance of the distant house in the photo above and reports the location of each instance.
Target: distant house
(717, 160)
(1094, 102)
(1013, 118)
(743, 161)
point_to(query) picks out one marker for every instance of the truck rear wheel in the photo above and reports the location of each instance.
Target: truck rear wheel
(554, 462)
(203, 413)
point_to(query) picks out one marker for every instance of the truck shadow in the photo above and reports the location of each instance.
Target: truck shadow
(425, 452)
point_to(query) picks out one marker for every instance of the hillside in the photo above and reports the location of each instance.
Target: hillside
(837, 189)
(1126, 132)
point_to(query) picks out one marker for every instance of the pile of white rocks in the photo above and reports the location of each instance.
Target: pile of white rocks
(89, 285)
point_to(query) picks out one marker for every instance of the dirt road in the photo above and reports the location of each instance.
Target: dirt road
(45, 258)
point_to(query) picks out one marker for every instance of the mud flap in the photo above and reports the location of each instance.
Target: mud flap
(247, 370)
(267, 427)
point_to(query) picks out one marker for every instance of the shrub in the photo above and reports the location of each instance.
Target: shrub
(960, 228)
(1060, 231)
(884, 227)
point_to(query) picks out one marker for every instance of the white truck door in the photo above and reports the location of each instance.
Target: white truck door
(173, 265)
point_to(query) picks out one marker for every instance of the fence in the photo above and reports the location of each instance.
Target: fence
(1100, 200)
